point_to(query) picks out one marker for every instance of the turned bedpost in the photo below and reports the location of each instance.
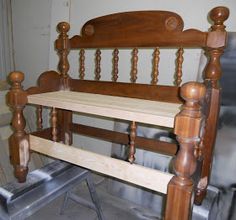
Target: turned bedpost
(64, 118)
(18, 141)
(188, 125)
(212, 76)
(63, 47)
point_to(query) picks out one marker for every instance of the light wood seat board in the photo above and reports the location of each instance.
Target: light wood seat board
(139, 110)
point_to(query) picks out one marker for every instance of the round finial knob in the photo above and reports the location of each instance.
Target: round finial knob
(63, 27)
(219, 14)
(16, 77)
(193, 91)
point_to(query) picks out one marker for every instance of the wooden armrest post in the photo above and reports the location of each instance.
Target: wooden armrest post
(18, 141)
(188, 124)
(64, 116)
(212, 76)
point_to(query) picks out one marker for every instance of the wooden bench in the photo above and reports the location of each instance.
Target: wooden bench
(190, 109)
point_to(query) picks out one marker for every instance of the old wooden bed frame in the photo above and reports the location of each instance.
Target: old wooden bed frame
(194, 124)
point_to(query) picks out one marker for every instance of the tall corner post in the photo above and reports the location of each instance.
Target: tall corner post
(212, 76)
(188, 125)
(63, 47)
(18, 141)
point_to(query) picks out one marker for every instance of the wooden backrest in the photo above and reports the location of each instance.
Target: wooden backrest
(141, 29)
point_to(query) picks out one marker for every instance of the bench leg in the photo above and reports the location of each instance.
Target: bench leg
(188, 124)
(18, 142)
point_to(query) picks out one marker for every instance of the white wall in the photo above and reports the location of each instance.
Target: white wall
(31, 35)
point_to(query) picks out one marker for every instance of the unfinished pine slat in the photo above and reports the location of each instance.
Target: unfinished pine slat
(144, 111)
(132, 173)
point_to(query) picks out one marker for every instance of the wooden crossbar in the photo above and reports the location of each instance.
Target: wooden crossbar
(132, 173)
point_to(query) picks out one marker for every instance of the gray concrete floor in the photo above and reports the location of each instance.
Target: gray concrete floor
(113, 208)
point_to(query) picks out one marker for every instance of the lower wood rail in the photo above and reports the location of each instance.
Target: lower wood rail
(153, 145)
(132, 173)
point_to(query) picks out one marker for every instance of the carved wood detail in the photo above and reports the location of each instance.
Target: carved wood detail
(133, 130)
(82, 64)
(156, 59)
(134, 70)
(63, 51)
(39, 117)
(179, 63)
(115, 64)
(54, 124)
(98, 64)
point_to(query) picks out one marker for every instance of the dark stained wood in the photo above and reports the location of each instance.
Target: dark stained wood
(179, 63)
(212, 76)
(98, 64)
(132, 137)
(44, 133)
(39, 118)
(155, 73)
(134, 70)
(123, 138)
(18, 141)
(180, 189)
(115, 64)
(81, 64)
(163, 28)
(208, 142)
(63, 51)
(64, 126)
(43, 86)
(134, 90)
(54, 124)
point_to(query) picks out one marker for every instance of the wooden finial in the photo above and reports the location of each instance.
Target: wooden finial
(192, 92)
(16, 78)
(63, 27)
(219, 15)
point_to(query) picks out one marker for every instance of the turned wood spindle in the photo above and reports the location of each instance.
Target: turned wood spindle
(54, 124)
(115, 65)
(39, 118)
(98, 64)
(18, 141)
(134, 70)
(213, 70)
(82, 64)
(63, 46)
(188, 125)
(133, 130)
(156, 60)
(179, 71)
